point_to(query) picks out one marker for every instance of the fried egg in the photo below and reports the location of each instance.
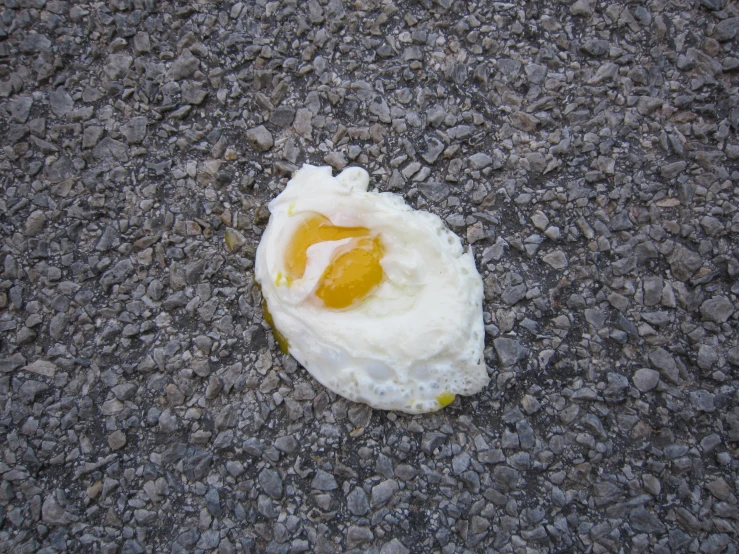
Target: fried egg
(379, 302)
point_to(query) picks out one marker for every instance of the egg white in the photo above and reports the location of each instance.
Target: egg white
(417, 335)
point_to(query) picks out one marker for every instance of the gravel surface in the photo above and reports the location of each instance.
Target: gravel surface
(588, 153)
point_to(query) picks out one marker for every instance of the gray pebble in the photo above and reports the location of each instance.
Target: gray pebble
(684, 262)
(283, 116)
(480, 160)
(52, 513)
(597, 193)
(379, 107)
(596, 48)
(556, 259)
(434, 148)
(663, 361)
(35, 223)
(260, 138)
(324, 481)
(717, 309)
(117, 440)
(383, 492)
(303, 123)
(514, 294)
(394, 547)
(645, 379)
(357, 502)
(510, 351)
(183, 67)
(703, 401)
(60, 102)
(20, 108)
(644, 521)
(29, 389)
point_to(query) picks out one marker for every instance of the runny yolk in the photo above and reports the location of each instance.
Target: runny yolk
(351, 275)
(281, 340)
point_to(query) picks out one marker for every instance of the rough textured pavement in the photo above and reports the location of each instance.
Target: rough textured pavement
(588, 153)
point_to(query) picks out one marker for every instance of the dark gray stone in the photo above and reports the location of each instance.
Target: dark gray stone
(508, 66)
(383, 492)
(703, 401)
(726, 30)
(595, 317)
(183, 67)
(357, 502)
(684, 262)
(260, 138)
(672, 170)
(510, 351)
(434, 148)
(213, 502)
(665, 363)
(193, 93)
(596, 47)
(514, 294)
(283, 116)
(135, 129)
(394, 547)
(271, 483)
(379, 107)
(645, 521)
(717, 309)
(118, 66)
(645, 379)
(35, 42)
(30, 389)
(324, 481)
(480, 160)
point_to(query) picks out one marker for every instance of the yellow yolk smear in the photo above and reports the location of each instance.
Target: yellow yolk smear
(281, 340)
(445, 398)
(351, 275)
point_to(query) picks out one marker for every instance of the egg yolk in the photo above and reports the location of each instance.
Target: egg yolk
(281, 340)
(445, 398)
(351, 275)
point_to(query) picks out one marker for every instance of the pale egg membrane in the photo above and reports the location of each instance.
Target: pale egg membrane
(414, 337)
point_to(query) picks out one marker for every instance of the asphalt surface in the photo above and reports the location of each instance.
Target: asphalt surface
(587, 152)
